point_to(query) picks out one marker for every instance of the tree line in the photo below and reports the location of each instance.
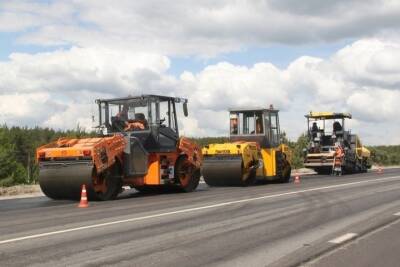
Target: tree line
(18, 147)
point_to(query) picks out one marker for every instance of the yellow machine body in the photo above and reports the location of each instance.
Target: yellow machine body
(248, 151)
(361, 151)
(269, 170)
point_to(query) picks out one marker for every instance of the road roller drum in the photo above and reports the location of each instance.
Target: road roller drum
(64, 180)
(230, 164)
(220, 171)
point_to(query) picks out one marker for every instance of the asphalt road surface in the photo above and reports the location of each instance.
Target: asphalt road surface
(350, 220)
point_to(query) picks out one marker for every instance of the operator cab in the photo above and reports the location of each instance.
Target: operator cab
(152, 119)
(325, 129)
(255, 125)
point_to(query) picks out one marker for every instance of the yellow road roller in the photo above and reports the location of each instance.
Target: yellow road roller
(254, 151)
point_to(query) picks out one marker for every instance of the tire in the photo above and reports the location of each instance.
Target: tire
(251, 179)
(149, 189)
(283, 168)
(364, 168)
(187, 176)
(286, 172)
(323, 171)
(111, 184)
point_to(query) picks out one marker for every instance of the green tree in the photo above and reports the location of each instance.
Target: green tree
(298, 151)
(385, 155)
(11, 171)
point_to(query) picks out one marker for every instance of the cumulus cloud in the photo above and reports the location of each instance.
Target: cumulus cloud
(224, 85)
(27, 109)
(204, 28)
(58, 89)
(70, 71)
(26, 15)
(375, 105)
(370, 62)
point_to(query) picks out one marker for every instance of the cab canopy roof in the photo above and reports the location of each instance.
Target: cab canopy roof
(327, 115)
(254, 109)
(133, 99)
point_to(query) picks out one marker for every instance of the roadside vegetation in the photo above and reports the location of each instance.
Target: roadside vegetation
(385, 155)
(18, 146)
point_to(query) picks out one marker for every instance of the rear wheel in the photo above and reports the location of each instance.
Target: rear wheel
(283, 168)
(285, 174)
(106, 185)
(187, 176)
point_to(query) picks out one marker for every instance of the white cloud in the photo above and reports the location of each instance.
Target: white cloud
(224, 85)
(27, 109)
(26, 15)
(71, 116)
(375, 105)
(77, 69)
(370, 62)
(204, 28)
(58, 89)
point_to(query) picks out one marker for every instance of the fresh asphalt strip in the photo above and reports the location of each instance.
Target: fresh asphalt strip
(165, 214)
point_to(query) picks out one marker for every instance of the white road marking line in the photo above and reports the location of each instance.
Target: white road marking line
(343, 238)
(397, 214)
(193, 209)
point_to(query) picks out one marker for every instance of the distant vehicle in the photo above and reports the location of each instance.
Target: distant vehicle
(332, 149)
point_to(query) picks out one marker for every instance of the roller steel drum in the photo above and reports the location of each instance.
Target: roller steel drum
(64, 180)
(224, 171)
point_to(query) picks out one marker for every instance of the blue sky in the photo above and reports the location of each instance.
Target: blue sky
(124, 47)
(279, 55)
(9, 44)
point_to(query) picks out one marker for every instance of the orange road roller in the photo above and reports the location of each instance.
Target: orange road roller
(138, 145)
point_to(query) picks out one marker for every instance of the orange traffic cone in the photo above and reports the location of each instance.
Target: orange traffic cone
(84, 201)
(297, 179)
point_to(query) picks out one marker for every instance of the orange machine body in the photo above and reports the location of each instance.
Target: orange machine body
(104, 152)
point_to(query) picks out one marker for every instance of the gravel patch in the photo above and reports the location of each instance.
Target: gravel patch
(19, 191)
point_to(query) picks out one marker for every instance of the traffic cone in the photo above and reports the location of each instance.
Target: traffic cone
(297, 179)
(84, 201)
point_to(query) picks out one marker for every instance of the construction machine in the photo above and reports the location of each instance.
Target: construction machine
(331, 148)
(254, 151)
(139, 146)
